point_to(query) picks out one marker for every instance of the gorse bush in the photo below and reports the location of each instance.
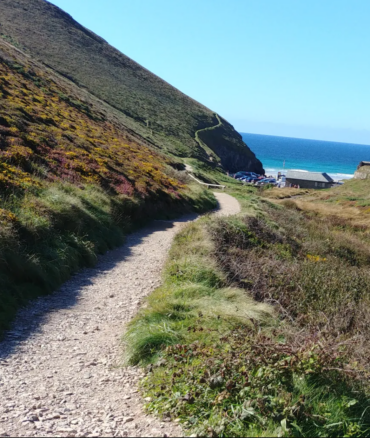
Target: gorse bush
(72, 184)
(46, 136)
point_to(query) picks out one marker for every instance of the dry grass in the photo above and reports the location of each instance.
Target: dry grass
(286, 192)
(353, 215)
(314, 268)
(349, 203)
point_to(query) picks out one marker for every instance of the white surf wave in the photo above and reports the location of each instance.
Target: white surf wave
(340, 176)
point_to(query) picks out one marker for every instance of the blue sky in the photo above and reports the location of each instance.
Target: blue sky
(298, 68)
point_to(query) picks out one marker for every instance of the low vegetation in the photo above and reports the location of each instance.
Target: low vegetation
(315, 269)
(288, 192)
(192, 292)
(261, 326)
(350, 202)
(72, 183)
(47, 135)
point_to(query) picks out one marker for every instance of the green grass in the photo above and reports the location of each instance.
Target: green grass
(63, 228)
(249, 384)
(250, 337)
(193, 286)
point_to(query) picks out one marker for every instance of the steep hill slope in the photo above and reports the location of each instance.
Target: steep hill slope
(48, 135)
(73, 180)
(148, 105)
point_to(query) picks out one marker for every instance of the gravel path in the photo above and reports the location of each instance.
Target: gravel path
(60, 365)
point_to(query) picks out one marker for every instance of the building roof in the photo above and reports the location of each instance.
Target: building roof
(309, 176)
(363, 163)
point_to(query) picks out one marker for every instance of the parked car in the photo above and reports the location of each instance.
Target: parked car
(240, 175)
(243, 174)
(258, 178)
(265, 181)
(248, 179)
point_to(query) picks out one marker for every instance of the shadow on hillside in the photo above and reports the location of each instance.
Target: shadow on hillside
(31, 319)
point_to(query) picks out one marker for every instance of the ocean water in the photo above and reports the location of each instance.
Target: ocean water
(339, 160)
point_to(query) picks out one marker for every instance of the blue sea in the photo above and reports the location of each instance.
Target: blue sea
(339, 160)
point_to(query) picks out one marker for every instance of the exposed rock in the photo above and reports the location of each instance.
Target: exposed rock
(363, 170)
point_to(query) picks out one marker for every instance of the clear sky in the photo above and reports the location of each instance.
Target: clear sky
(297, 68)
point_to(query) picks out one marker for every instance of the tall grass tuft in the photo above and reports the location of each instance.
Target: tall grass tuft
(192, 293)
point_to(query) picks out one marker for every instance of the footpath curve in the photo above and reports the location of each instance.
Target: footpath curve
(60, 365)
(206, 148)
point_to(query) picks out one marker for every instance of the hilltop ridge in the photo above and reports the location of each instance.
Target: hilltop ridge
(148, 105)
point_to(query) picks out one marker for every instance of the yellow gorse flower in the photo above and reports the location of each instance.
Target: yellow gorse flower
(315, 258)
(63, 139)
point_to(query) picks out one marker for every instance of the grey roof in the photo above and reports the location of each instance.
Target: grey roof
(363, 163)
(309, 176)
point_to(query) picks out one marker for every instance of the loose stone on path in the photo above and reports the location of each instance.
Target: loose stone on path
(61, 368)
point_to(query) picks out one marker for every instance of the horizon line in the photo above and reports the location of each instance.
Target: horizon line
(302, 138)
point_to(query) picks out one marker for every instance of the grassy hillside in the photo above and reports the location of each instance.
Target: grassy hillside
(47, 134)
(150, 106)
(349, 203)
(73, 181)
(261, 326)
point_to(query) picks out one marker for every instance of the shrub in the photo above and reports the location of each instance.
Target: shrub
(250, 384)
(227, 367)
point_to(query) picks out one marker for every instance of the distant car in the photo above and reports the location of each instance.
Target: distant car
(265, 181)
(243, 174)
(240, 175)
(258, 178)
(247, 179)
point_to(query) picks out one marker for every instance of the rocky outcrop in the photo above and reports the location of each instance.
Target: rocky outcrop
(363, 170)
(228, 145)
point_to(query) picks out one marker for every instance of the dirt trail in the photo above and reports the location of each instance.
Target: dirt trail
(206, 148)
(60, 372)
